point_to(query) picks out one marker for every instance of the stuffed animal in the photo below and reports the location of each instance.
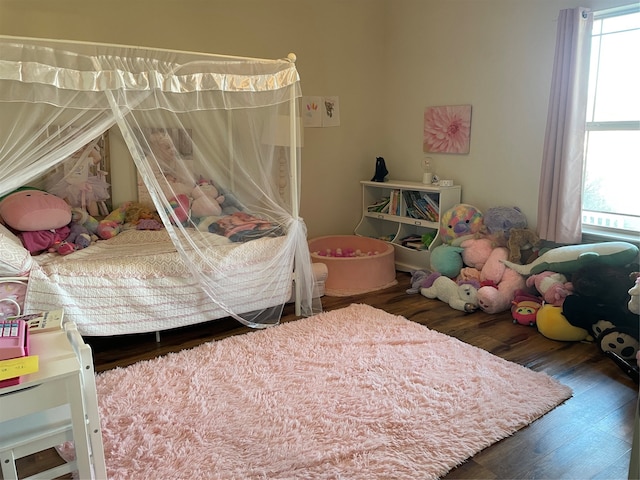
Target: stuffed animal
(417, 278)
(499, 221)
(82, 217)
(180, 206)
(39, 219)
(524, 309)
(446, 259)
(111, 225)
(522, 240)
(553, 286)
(459, 222)
(570, 258)
(135, 212)
(206, 201)
(79, 236)
(498, 283)
(599, 304)
(634, 293)
(552, 324)
(461, 297)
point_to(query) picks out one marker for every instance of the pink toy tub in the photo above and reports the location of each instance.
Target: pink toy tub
(355, 264)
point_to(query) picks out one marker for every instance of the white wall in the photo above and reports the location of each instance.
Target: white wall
(385, 59)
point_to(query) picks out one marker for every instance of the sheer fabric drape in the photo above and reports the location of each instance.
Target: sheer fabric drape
(560, 194)
(221, 108)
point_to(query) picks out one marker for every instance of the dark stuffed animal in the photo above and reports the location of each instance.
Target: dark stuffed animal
(599, 305)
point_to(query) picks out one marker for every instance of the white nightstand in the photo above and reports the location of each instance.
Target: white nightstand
(57, 402)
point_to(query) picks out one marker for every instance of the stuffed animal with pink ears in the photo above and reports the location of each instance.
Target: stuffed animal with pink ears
(498, 284)
(553, 286)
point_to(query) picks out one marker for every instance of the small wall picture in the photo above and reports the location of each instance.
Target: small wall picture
(447, 129)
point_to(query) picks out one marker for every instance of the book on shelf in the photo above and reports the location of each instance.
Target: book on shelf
(379, 206)
(413, 241)
(433, 201)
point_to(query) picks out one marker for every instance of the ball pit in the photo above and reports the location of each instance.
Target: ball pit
(355, 264)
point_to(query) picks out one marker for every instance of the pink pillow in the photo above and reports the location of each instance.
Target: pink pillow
(33, 210)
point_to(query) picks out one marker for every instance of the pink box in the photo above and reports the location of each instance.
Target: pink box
(14, 343)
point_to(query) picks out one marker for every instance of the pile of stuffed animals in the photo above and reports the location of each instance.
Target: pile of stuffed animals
(45, 223)
(493, 263)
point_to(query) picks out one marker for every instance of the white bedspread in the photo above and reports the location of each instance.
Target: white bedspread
(137, 282)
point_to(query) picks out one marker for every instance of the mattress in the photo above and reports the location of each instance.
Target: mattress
(137, 282)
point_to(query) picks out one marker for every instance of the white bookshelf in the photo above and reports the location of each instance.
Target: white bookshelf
(403, 219)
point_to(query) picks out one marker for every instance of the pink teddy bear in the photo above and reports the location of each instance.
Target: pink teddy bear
(553, 286)
(499, 283)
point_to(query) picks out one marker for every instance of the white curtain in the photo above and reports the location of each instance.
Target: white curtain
(220, 108)
(560, 195)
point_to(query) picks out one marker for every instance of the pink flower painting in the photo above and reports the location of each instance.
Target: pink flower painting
(447, 129)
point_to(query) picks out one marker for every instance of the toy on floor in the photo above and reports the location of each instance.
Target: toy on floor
(599, 304)
(523, 241)
(524, 309)
(460, 222)
(446, 259)
(461, 297)
(552, 324)
(417, 278)
(499, 221)
(553, 286)
(570, 258)
(498, 283)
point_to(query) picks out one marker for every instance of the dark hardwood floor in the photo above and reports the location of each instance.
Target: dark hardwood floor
(589, 436)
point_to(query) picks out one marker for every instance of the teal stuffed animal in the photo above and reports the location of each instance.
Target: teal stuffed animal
(570, 258)
(446, 260)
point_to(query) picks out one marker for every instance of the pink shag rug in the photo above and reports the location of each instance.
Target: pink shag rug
(354, 393)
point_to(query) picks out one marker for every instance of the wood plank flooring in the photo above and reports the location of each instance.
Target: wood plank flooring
(589, 436)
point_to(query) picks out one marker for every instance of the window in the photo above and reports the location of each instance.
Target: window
(611, 189)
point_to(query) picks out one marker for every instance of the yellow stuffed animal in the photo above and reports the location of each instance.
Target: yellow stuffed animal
(552, 324)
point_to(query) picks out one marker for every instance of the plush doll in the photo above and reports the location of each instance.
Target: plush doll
(446, 259)
(498, 283)
(525, 306)
(180, 206)
(552, 324)
(570, 258)
(206, 201)
(599, 304)
(417, 279)
(461, 297)
(634, 293)
(499, 221)
(111, 225)
(79, 236)
(459, 222)
(39, 219)
(522, 240)
(553, 286)
(136, 212)
(82, 217)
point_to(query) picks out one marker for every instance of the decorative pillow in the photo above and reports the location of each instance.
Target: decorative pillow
(31, 210)
(15, 260)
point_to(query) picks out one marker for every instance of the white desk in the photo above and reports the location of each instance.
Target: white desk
(58, 382)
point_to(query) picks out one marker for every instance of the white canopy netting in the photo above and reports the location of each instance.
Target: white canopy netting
(193, 124)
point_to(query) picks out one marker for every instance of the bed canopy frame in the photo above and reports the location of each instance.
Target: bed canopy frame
(230, 109)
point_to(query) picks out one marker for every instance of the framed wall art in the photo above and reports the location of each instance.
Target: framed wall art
(447, 129)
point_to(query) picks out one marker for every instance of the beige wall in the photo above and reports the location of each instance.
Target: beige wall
(385, 59)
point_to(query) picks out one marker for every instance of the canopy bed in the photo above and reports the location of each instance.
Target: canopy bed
(191, 122)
